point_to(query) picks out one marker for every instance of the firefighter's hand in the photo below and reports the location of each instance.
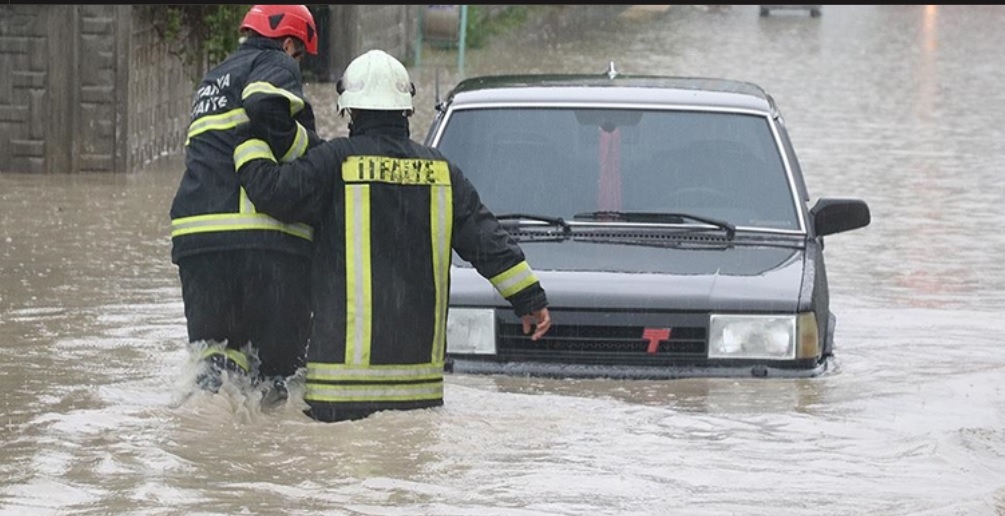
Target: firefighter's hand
(539, 321)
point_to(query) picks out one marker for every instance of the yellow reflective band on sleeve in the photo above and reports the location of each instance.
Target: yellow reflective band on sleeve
(402, 171)
(373, 393)
(441, 216)
(514, 279)
(220, 122)
(264, 88)
(359, 310)
(385, 373)
(251, 150)
(298, 147)
(237, 222)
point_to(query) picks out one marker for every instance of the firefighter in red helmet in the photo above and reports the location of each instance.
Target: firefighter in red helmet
(279, 21)
(245, 275)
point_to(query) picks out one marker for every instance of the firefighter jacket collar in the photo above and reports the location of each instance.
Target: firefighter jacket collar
(389, 123)
(261, 43)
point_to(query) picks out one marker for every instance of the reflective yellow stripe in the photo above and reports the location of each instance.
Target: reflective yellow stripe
(296, 103)
(298, 147)
(403, 171)
(251, 150)
(441, 216)
(246, 206)
(374, 393)
(385, 373)
(425, 382)
(248, 151)
(514, 279)
(238, 357)
(223, 121)
(237, 222)
(358, 293)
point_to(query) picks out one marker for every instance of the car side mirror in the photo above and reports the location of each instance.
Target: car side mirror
(832, 216)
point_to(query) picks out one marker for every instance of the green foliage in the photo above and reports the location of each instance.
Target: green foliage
(481, 27)
(222, 36)
(200, 35)
(477, 32)
(483, 23)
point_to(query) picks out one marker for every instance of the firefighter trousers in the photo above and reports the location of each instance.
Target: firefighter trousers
(250, 296)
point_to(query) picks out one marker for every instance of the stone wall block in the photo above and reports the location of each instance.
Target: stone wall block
(103, 94)
(14, 44)
(25, 164)
(95, 163)
(37, 55)
(7, 80)
(5, 148)
(97, 119)
(38, 112)
(99, 26)
(28, 148)
(17, 115)
(21, 20)
(31, 80)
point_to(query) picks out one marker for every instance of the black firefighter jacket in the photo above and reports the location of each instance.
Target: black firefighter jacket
(393, 210)
(258, 83)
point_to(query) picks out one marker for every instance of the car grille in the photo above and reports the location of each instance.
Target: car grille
(584, 338)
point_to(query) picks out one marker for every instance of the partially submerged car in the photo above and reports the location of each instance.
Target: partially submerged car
(666, 217)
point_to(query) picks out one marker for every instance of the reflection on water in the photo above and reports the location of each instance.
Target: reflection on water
(688, 395)
(892, 104)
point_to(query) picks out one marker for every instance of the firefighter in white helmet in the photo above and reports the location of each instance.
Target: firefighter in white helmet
(392, 211)
(375, 81)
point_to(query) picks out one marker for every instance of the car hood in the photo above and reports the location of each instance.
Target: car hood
(597, 275)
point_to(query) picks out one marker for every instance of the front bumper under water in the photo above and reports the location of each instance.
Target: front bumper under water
(555, 370)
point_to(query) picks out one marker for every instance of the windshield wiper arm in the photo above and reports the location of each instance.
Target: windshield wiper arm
(649, 216)
(558, 222)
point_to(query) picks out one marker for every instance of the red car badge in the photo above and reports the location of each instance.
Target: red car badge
(653, 336)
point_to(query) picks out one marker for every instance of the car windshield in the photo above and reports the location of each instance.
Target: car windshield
(565, 161)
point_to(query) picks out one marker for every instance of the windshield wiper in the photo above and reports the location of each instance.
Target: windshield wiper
(558, 222)
(649, 216)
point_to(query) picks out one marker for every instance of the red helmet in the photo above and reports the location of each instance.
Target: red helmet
(276, 21)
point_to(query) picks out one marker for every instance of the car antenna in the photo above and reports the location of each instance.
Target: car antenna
(611, 72)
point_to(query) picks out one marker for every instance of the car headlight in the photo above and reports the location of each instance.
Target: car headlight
(471, 331)
(752, 336)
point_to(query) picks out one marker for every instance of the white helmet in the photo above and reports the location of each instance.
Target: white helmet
(377, 81)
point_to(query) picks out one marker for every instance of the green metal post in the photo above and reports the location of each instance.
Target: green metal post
(418, 35)
(461, 44)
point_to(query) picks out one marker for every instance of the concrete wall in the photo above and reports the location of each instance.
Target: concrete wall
(62, 105)
(160, 95)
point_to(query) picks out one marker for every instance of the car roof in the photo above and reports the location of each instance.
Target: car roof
(612, 89)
